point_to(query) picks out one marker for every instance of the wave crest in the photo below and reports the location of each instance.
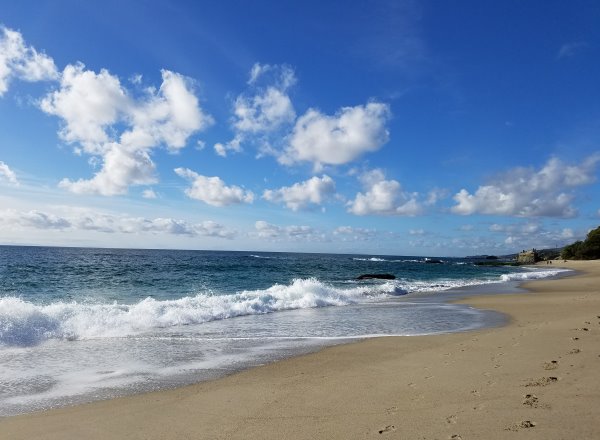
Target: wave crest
(24, 324)
(534, 274)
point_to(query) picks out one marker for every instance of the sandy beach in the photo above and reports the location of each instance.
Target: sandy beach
(535, 378)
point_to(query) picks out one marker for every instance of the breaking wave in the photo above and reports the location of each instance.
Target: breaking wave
(23, 323)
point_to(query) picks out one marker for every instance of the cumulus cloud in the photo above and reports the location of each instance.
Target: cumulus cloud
(273, 232)
(234, 145)
(263, 109)
(18, 60)
(263, 112)
(102, 119)
(314, 191)
(8, 174)
(85, 220)
(120, 169)
(212, 190)
(383, 197)
(88, 103)
(338, 139)
(525, 192)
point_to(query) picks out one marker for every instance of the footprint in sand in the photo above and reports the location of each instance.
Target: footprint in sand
(388, 428)
(575, 339)
(575, 351)
(530, 400)
(455, 437)
(521, 425)
(451, 419)
(542, 381)
(552, 365)
(391, 410)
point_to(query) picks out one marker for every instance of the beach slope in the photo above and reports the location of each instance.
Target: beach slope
(536, 378)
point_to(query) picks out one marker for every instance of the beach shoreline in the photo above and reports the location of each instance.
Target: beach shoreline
(535, 376)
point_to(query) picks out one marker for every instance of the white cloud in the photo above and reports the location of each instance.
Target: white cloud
(416, 232)
(525, 192)
(33, 219)
(88, 103)
(120, 169)
(295, 233)
(234, 145)
(86, 220)
(383, 197)
(149, 194)
(263, 109)
(8, 174)
(314, 191)
(338, 139)
(264, 112)
(568, 50)
(212, 190)
(567, 233)
(435, 195)
(521, 237)
(136, 78)
(104, 120)
(17, 60)
(349, 233)
(527, 235)
(282, 76)
(169, 116)
(524, 228)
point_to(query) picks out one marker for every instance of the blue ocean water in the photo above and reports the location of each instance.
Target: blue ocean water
(81, 324)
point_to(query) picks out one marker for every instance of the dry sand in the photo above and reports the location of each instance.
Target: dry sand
(536, 378)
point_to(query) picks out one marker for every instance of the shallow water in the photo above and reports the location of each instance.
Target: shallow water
(83, 324)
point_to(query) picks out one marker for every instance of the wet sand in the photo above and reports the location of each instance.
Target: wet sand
(537, 378)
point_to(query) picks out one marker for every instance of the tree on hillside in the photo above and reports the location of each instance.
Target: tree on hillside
(584, 250)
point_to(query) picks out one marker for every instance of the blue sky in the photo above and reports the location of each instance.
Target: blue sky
(407, 127)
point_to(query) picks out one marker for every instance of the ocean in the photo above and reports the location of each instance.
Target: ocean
(82, 324)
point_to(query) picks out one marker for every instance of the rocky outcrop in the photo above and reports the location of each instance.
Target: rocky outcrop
(378, 276)
(528, 257)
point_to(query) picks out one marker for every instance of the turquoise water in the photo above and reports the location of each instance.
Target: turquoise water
(84, 324)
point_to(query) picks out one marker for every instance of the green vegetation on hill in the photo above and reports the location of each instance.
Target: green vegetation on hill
(589, 249)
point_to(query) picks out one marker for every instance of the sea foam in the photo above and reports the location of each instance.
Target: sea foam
(23, 323)
(533, 274)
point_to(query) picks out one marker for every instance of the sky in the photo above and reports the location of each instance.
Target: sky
(373, 127)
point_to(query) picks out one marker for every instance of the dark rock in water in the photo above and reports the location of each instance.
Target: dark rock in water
(433, 261)
(379, 276)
